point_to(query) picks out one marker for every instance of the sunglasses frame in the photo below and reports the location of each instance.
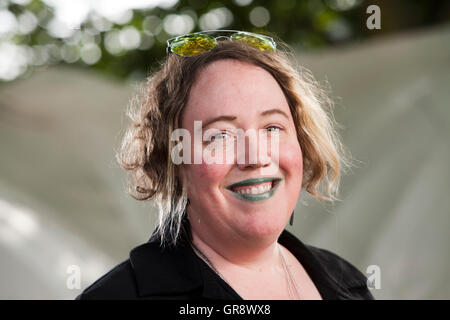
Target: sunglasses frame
(256, 35)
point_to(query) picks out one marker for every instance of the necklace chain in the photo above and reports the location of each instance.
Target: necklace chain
(289, 278)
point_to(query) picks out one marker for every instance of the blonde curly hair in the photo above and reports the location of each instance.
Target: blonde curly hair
(155, 112)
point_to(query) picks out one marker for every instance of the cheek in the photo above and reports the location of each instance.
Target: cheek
(291, 159)
(204, 176)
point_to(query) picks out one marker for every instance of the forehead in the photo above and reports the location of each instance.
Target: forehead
(233, 87)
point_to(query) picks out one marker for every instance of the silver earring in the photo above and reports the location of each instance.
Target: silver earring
(291, 220)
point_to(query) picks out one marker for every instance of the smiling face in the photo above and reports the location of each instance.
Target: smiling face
(231, 207)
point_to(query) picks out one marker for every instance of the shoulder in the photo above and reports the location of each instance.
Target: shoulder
(334, 274)
(335, 266)
(118, 283)
(343, 272)
(339, 267)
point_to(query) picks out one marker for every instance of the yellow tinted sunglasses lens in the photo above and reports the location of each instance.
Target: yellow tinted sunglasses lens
(192, 44)
(258, 42)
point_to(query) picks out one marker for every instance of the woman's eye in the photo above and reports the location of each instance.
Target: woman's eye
(273, 129)
(218, 136)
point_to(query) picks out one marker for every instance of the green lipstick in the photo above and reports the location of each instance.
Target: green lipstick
(256, 197)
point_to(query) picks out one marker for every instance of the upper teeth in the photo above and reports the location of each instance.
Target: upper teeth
(255, 189)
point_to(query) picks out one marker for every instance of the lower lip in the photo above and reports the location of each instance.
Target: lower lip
(257, 197)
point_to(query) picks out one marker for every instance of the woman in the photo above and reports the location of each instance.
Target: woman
(221, 223)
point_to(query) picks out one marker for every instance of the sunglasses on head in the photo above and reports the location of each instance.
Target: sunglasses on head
(194, 43)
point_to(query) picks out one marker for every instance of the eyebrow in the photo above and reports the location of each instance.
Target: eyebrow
(275, 111)
(232, 118)
(220, 118)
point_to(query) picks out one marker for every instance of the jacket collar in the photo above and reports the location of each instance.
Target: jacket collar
(178, 270)
(161, 271)
(327, 274)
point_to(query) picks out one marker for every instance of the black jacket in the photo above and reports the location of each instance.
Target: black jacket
(178, 273)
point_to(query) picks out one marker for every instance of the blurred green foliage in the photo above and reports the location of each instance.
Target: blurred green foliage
(32, 33)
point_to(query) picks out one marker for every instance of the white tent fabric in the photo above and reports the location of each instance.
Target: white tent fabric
(62, 199)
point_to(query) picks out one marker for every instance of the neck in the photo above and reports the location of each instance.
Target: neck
(236, 252)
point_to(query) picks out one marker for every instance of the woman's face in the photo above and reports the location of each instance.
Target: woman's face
(245, 97)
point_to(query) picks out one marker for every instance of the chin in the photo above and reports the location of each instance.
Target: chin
(263, 230)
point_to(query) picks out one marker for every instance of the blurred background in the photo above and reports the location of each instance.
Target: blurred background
(68, 69)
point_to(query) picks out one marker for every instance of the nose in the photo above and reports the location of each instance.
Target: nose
(255, 153)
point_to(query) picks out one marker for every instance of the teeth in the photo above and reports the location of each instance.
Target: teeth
(261, 188)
